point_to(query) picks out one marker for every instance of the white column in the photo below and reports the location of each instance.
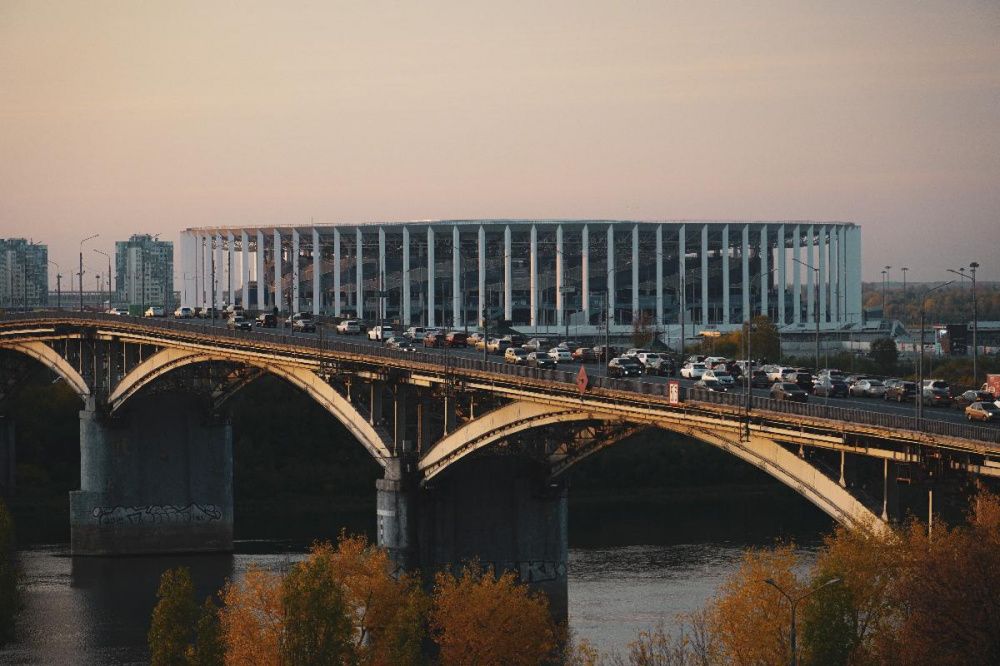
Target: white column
(456, 276)
(782, 275)
(765, 275)
(481, 252)
(560, 305)
(381, 273)
(336, 272)
(317, 256)
(745, 254)
(220, 283)
(704, 274)
(841, 284)
(635, 272)
(245, 267)
(259, 257)
(406, 277)
(659, 275)
(811, 277)
(231, 281)
(430, 276)
(611, 274)
(296, 307)
(854, 272)
(681, 276)
(278, 300)
(359, 272)
(726, 284)
(797, 275)
(585, 273)
(508, 269)
(822, 250)
(533, 271)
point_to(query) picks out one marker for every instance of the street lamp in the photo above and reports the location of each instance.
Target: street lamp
(920, 364)
(975, 318)
(58, 285)
(108, 256)
(794, 604)
(904, 269)
(816, 302)
(79, 280)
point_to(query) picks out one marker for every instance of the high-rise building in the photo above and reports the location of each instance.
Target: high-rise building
(144, 271)
(24, 273)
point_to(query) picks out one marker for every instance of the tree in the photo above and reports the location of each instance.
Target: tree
(10, 599)
(317, 630)
(252, 619)
(765, 341)
(884, 353)
(478, 618)
(208, 648)
(642, 330)
(174, 616)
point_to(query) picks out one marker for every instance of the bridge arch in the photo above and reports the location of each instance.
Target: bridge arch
(170, 358)
(51, 359)
(762, 452)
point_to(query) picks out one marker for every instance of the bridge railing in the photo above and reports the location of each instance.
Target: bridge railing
(655, 391)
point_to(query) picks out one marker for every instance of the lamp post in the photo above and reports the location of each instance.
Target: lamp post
(904, 269)
(79, 281)
(108, 256)
(794, 604)
(885, 276)
(58, 285)
(816, 301)
(920, 364)
(975, 318)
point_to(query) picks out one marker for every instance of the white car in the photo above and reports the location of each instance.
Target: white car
(184, 313)
(560, 355)
(349, 327)
(777, 373)
(154, 311)
(415, 333)
(693, 370)
(635, 351)
(381, 332)
(721, 376)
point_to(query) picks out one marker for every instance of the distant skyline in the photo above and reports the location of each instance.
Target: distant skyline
(123, 118)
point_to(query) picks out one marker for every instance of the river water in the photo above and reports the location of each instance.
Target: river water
(628, 569)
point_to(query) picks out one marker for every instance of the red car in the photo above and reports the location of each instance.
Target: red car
(456, 339)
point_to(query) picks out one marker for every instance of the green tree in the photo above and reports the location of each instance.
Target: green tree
(642, 331)
(317, 629)
(765, 341)
(885, 355)
(174, 617)
(10, 599)
(208, 648)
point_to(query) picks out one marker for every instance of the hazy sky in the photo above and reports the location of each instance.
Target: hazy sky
(124, 117)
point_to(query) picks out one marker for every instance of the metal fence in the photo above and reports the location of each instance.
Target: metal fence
(649, 391)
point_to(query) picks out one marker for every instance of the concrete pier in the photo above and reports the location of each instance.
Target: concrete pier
(156, 478)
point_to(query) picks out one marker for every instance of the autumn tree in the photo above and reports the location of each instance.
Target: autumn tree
(478, 618)
(172, 628)
(642, 330)
(765, 340)
(317, 629)
(252, 619)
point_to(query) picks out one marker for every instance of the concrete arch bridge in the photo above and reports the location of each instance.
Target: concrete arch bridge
(474, 453)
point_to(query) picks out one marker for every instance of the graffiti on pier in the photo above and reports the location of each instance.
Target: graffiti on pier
(529, 571)
(165, 514)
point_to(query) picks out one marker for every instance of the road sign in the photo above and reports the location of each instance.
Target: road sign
(674, 392)
(581, 379)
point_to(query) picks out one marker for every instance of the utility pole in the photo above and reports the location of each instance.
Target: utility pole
(975, 318)
(109, 275)
(920, 364)
(58, 285)
(79, 281)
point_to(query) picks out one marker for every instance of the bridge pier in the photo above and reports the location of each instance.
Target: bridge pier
(8, 456)
(156, 478)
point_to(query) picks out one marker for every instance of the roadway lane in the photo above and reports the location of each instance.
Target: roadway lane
(599, 370)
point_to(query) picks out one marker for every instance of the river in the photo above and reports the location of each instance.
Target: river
(629, 567)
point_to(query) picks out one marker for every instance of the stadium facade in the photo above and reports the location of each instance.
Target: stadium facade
(539, 275)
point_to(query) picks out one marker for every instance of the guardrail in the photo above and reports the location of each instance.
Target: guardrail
(449, 361)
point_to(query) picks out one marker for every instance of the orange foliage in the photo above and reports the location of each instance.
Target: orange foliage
(252, 620)
(480, 619)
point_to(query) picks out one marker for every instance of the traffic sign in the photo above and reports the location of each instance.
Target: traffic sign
(582, 380)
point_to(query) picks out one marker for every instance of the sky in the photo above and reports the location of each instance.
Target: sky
(151, 117)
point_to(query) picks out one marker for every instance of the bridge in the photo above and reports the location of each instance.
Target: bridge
(475, 453)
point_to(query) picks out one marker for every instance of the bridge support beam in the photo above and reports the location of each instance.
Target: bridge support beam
(156, 479)
(396, 507)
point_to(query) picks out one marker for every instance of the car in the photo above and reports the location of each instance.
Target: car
(207, 313)
(713, 385)
(868, 388)
(901, 391)
(777, 373)
(584, 355)
(400, 343)
(434, 338)
(234, 310)
(117, 311)
(239, 323)
(963, 400)
(515, 355)
(693, 370)
(803, 379)
(154, 311)
(788, 391)
(474, 339)
(830, 387)
(348, 327)
(381, 332)
(720, 376)
(624, 366)
(267, 320)
(415, 333)
(456, 339)
(539, 359)
(497, 345)
(936, 393)
(301, 321)
(635, 351)
(480, 344)
(184, 312)
(983, 411)
(654, 363)
(604, 353)
(513, 339)
(560, 355)
(758, 379)
(536, 344)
